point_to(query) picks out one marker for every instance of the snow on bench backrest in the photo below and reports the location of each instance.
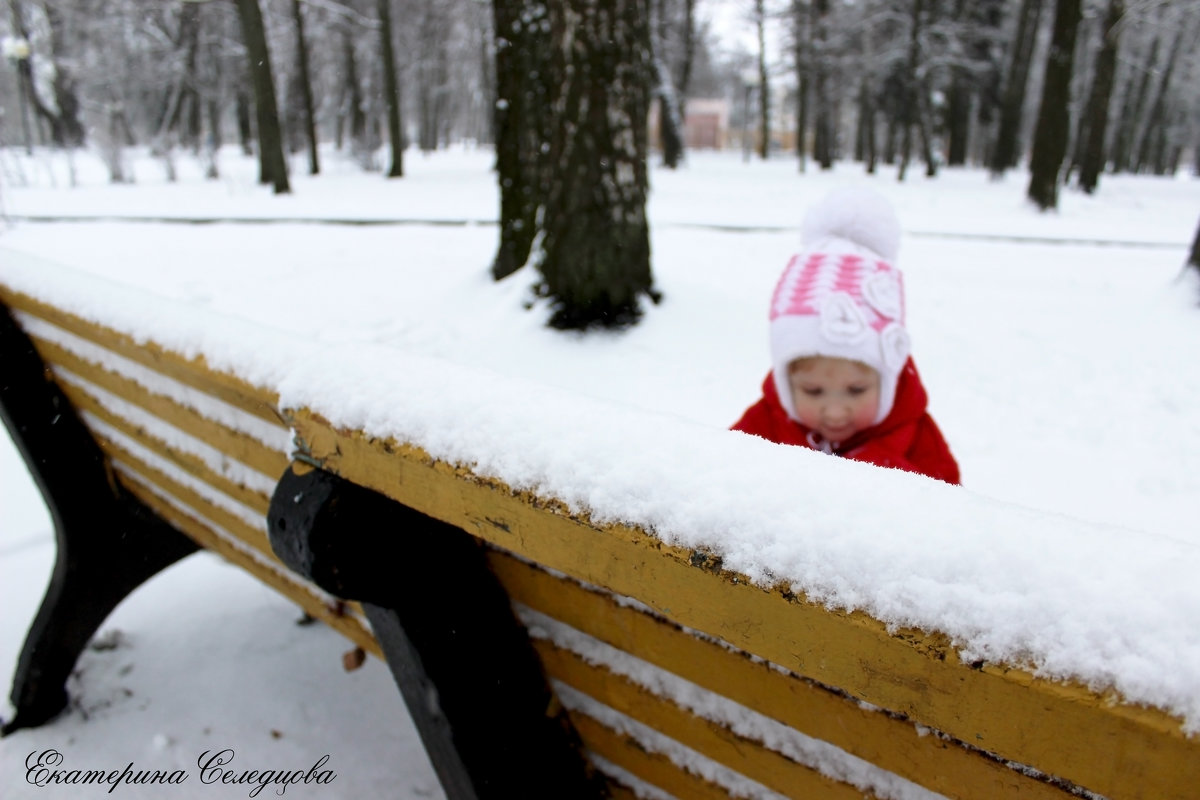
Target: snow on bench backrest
(641, 550)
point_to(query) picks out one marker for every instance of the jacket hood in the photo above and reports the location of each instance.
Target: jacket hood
(909, 406)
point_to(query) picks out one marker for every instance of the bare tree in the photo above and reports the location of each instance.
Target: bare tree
(915, 102)
(975, 76)
(764, 83)
(303, 74)
(1194, 256)
(1092, 154)
(391, 89)
(670, 101)
(1050, 136)
(824, 104)
(272, 166)
(62, 112)
(1006, 151)
(1155, 130)
(522, 125)
(1137, 89)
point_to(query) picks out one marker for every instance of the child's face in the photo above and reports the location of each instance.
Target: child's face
(835, 397)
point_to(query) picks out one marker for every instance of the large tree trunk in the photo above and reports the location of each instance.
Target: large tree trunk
(595, 259)
(302, 74)
(1053, 128)
(1006, 151)
(272, 165)
(391, 89)
(1092, 158)
(522, 126)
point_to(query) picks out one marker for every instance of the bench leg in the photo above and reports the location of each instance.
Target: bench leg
(108, 542)
(463, 663)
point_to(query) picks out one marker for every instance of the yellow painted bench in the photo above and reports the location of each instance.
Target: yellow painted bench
(676, 675)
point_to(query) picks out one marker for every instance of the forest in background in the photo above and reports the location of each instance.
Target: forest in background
(1070, 89)
(945, 81)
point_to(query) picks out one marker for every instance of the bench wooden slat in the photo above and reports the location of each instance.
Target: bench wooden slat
(744, 756)
(889, 742)
(185, 461)
(1063, 730)
(235, 525)
(654, 768)
(281, 579)
(241, 446)
(193, 372)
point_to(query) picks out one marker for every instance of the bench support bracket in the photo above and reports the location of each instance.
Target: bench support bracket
(109, 543)
(464, 664)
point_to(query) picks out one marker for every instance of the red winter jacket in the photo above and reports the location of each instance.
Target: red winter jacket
(907, 439)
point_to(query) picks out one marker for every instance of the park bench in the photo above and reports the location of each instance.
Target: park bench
(570, 636)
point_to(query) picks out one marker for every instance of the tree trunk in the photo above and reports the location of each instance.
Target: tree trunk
(66, 98)
(272, 165)
(1092, 160)
(869, 151)
(689, 52)
(1156, 120)
(181, 93)
(62, 118)
(824, 145)
(302, 70)
(764, 86)
(595, 261)
(391, 89)
(916, 108)
(1006, 152)
(1053, 128)
(1194, 256)
(958, 117)
(991, 19)
(244, 124)
(801, 35)
(1131, 112)
(362, 144)
(522, 126)
(670, 111)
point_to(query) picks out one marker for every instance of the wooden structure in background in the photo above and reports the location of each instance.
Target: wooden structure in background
(671, 670)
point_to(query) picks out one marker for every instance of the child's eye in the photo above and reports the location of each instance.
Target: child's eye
(812, 392)
(855, 391)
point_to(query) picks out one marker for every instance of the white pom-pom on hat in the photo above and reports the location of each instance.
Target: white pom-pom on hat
(856, 214)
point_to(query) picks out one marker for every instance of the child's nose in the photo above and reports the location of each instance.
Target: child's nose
(836, 411)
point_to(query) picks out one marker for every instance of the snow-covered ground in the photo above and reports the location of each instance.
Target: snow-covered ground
(1056, 350)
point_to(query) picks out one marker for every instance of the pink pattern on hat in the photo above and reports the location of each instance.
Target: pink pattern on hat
(803, 287)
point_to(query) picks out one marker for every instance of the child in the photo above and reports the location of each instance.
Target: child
(842, 380)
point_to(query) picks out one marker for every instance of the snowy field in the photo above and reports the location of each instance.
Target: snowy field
(1057, 350)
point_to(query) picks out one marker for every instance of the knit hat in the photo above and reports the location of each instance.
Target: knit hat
(841, 297)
